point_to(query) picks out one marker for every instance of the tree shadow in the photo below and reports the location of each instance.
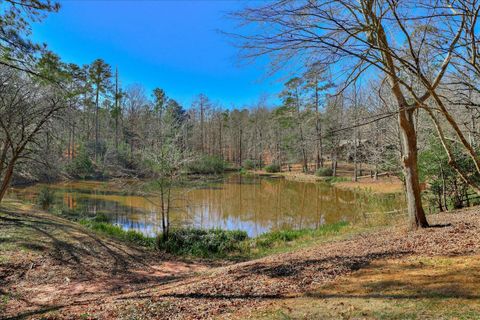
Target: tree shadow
(439, 279)
(36, 312)
(104, 266)
(332, 265)
(67, 245)
(426, 295)
(440, 225)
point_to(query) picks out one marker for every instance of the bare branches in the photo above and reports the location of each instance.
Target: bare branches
(26, 107)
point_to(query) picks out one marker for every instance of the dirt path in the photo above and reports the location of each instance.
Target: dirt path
(142, 288)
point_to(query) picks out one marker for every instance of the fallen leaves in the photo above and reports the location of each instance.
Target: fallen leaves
(223, 291)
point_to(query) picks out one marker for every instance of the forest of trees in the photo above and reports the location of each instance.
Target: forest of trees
(408, 106)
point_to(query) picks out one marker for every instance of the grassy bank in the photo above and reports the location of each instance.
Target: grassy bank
(129, 236)
(217, 243)
(287, 240)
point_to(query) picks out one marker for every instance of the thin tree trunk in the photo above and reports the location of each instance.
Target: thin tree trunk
(162, 202)
(7, 178)
(69, 146)
(116, 109)
(240, 148)
(96, 123)
(318, 129)
(167, 234)
(202, 133)
(73, 141)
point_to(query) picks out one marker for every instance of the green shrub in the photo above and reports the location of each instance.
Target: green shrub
(272, 168)
(81, 166)
(203, 243)
(252, 164)
(102, 217)
(249, 164)
(207, 165)
(324, 172)
(45, 197)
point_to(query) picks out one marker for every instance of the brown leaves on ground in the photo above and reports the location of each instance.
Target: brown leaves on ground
(222, 291)
(262, 281)
(414, 287)
(47, 262)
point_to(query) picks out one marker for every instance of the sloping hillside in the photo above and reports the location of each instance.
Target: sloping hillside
(68, 271)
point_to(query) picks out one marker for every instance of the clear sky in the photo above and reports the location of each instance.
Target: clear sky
(174, 45)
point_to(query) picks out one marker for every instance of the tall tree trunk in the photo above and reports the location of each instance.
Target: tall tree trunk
(86, 118)
(202, 127)
(318, 129)
(96, 123)
(240, 148)
(116, 109)
(220, 148)
(73, 141)
(355, 162)
(410, 168)
(408, 137)
(69, 146)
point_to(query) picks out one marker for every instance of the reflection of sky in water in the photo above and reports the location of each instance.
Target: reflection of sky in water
(255, 205)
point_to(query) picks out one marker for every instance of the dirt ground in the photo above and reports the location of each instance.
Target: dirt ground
(69, 273)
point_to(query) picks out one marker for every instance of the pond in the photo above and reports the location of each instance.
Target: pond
(254, 204)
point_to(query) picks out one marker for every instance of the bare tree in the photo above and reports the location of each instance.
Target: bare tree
(26, 108)
(356, 36)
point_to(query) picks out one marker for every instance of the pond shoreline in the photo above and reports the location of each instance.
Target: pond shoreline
(231, 202)
(384, 185)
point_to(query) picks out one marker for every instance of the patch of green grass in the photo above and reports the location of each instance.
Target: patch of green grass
(117, 232)
(281, 239)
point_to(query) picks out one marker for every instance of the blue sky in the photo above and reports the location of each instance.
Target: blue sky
(174, 45)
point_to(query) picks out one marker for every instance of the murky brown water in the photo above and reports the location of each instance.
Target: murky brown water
(253, 204)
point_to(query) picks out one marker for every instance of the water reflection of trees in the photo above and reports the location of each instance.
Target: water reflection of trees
(255, 205)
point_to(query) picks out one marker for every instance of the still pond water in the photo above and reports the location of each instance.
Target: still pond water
(253, 204)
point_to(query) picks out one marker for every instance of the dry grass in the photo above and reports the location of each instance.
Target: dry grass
(414, 288)
(293, 175)
(383, 185)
